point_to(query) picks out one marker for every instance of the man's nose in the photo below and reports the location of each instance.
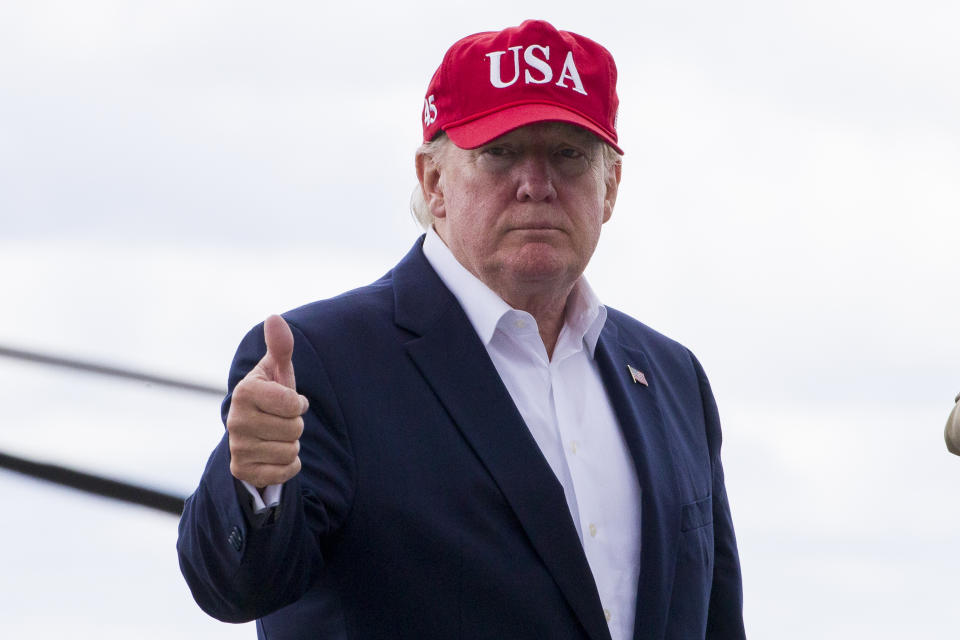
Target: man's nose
(535, 180)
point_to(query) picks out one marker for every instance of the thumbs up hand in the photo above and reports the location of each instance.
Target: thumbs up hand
(264, 422)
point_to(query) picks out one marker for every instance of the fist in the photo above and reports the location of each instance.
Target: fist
(265, 420)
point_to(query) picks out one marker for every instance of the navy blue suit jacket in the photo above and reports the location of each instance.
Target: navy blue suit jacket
(425, 508)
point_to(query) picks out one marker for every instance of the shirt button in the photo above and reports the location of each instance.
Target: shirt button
(573, 447)
(520, 324)
(593, 530)
(607, 614)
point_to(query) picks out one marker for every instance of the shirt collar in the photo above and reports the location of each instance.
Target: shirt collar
(585, 315)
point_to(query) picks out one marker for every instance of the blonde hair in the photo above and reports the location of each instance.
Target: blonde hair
(434, 151)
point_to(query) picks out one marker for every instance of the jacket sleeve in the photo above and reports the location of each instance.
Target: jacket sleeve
(725, 613)
(240, 567)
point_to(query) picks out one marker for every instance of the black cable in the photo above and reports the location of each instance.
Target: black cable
(117, 372)
(98, 485)
(89, 482)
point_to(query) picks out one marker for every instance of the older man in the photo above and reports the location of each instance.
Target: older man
(473, 446)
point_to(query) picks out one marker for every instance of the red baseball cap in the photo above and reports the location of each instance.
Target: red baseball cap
(494, 82)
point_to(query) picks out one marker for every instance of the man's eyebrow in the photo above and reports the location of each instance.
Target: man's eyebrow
(578, 136)
(587, 141)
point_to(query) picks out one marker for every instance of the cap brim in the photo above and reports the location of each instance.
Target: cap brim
(480, 131)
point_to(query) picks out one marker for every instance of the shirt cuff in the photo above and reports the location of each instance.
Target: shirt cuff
(269, 499)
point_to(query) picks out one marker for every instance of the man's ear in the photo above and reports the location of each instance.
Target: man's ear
(428, 173)
(612, 183)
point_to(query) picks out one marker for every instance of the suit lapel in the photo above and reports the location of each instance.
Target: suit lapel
(642, 425)
(454, 362)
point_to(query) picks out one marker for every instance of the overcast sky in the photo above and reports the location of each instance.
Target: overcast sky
(171, 173)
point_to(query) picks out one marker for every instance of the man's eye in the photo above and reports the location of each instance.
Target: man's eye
(570, 153)
(496, 151)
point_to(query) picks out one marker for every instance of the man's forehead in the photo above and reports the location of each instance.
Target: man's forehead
(558, 130)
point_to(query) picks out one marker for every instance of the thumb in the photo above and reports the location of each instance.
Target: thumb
(278, 363)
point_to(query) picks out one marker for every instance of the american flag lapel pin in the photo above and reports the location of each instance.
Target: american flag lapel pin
(637, 375)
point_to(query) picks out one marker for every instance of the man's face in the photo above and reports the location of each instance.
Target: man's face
(523, 212)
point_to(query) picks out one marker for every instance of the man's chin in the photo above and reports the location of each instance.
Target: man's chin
(542, 263)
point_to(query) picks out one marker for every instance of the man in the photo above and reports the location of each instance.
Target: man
(473, 446)
(951, 432)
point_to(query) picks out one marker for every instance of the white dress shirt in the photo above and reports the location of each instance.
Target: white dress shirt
(564, 404)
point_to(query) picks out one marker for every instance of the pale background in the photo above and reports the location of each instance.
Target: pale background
(171, 173)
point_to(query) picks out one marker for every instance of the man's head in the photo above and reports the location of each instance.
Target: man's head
(520, 163)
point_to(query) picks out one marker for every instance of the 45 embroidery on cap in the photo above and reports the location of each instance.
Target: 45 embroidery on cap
(429, 111)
